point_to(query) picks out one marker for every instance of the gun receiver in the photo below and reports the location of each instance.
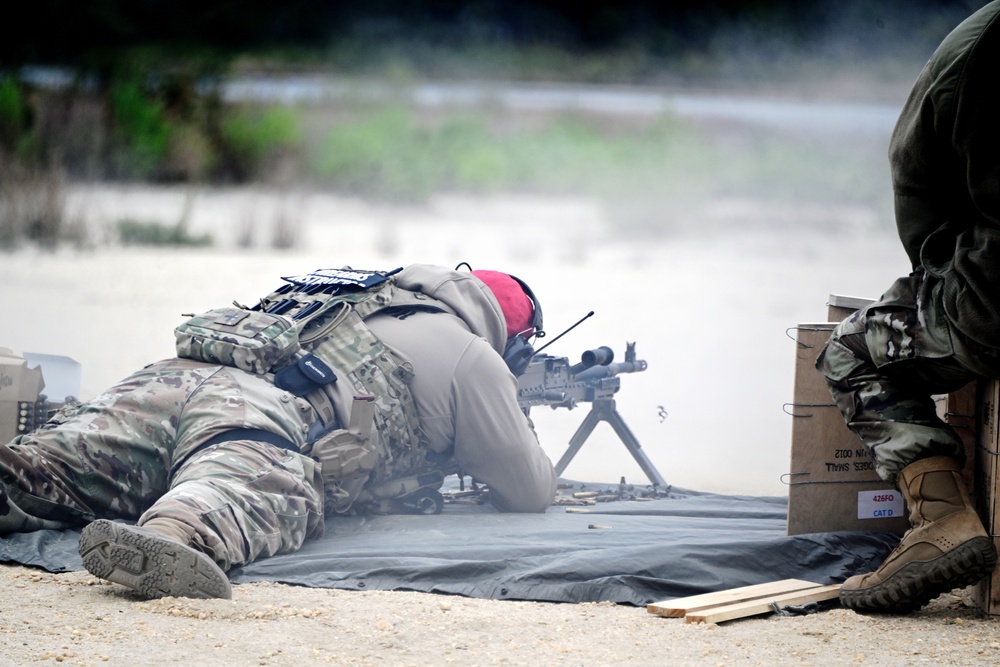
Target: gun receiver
(553, 381)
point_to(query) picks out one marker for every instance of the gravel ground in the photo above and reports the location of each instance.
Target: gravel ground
(75, 619)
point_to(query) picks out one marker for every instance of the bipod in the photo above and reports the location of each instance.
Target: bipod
(603, 409)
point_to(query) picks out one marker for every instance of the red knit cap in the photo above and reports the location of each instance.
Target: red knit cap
(515, 304)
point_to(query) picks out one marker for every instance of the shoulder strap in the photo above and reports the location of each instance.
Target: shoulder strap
(406, 299)
(323, 297)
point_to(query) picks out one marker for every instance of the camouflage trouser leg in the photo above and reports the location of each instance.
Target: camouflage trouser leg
(110, 458)
(884, 363)
(81, 466)
(245, 500)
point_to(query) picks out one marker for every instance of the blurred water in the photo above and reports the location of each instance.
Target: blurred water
(821, 116)
(783, 113)
(826, 116)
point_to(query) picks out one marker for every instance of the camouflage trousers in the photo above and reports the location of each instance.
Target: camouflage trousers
(885, 362)
(135, 453)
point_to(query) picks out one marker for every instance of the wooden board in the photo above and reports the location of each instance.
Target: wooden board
(744, 601)
(762, 605)
(679, 607)
(987, 483)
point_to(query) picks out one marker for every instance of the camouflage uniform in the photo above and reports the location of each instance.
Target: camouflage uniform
(136, 452)
(885, 362)
(936, 329)
(212, 453)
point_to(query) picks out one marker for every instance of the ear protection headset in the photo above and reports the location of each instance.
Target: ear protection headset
(518, 352)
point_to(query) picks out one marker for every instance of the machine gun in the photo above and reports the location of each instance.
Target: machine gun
(555, 382)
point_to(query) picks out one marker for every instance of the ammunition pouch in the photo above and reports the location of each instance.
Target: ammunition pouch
(252, 341)
(348, 456)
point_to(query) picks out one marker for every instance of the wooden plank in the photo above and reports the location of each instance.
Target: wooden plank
(958, 410)
(987, 483)
(762, 605)
(680, 606)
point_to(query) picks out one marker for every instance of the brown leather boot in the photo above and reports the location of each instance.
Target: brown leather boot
(945, 548)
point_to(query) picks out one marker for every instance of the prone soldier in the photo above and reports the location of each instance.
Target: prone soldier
(339, 392)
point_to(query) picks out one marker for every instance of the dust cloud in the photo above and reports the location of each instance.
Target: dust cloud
(710, 313)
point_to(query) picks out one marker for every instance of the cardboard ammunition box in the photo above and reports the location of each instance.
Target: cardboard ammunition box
(987, 478)
(840, 307)
(832, 481)
(20, 387)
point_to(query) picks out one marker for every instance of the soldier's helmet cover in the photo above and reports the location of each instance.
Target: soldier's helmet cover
(518, 308)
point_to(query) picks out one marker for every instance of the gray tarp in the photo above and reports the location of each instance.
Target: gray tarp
(632, 552)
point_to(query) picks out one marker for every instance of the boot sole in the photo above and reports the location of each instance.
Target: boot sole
(916, 584)
(149, 564)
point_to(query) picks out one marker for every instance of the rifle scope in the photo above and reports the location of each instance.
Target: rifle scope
(600, 356)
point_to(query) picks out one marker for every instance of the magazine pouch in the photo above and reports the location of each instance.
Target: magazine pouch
(252, 341)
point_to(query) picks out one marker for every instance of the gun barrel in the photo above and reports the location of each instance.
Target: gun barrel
(609, 370)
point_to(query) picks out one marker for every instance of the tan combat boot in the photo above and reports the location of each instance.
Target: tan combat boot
(945, 548)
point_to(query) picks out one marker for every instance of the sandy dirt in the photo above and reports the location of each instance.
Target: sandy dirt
(710, 313)
(75, 619)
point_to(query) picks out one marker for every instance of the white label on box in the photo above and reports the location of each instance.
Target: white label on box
(885, 504)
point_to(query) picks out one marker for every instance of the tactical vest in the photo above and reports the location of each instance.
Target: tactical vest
(311, 332)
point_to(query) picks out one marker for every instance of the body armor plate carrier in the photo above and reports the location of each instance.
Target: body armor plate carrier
(325, 311)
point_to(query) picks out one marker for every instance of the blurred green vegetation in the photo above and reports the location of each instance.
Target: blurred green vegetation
(395, 154)
(639, 168)
(141, 129)
(138, 232)
(13, 113)
(139, 98)
(257, 139)
(172, 129)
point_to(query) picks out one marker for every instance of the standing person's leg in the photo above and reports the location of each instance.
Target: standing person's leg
(228, 505)
(882, 365)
